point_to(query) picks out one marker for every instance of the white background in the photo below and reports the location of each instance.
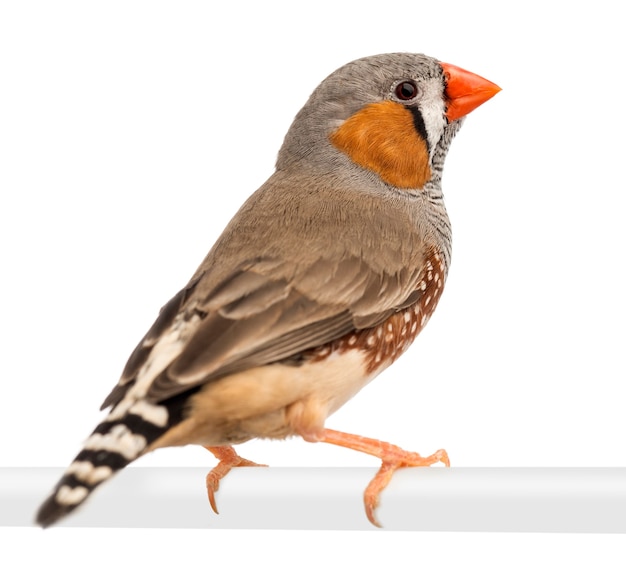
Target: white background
(130, 132)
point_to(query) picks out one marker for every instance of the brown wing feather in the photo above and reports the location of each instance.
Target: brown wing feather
(253, 310)
(222, 346)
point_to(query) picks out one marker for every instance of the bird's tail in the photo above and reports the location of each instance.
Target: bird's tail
(123, 436)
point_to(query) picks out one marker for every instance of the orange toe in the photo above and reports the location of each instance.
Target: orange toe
(228, 459)
(392, 458)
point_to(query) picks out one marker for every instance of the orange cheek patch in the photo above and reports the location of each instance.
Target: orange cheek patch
(381, 137)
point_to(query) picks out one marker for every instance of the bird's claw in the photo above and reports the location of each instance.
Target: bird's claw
(371, 497)
(228, 459)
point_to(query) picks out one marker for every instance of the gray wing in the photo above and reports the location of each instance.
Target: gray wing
(300, 288)
(252, 319)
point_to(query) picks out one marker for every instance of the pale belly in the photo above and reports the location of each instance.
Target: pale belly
(274, 401)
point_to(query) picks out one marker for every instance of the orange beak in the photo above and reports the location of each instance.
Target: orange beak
(465, 91)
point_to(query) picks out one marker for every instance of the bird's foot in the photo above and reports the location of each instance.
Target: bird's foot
(392, 458)
(228, 459)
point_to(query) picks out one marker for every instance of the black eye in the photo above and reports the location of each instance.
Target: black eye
(406, 90)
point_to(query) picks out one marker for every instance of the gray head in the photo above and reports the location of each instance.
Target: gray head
(389, 114)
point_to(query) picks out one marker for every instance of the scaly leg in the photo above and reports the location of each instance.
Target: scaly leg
(392, 458)
(228, 459)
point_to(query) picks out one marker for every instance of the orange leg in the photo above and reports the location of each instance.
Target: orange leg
(228, 459)
(392, 458)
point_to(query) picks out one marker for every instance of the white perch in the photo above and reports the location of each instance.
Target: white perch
(582, 500)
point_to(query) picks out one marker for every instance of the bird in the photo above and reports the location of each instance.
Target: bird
(320, 281)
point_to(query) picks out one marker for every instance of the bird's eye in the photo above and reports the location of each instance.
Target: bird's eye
(406, 90)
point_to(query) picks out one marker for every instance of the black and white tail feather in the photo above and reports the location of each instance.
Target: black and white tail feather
(135, 420)
(115, 442)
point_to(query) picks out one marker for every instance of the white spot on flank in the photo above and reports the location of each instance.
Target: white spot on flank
(427, 300)
(352, 340)
(71, 495)
(423, 285)
(371, 340)
(407, 316)
(118, 440)
(89, 474)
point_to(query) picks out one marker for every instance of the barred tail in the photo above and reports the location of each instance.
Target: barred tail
(124, 435)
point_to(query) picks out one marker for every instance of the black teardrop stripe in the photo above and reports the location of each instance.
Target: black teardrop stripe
(418, 123)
